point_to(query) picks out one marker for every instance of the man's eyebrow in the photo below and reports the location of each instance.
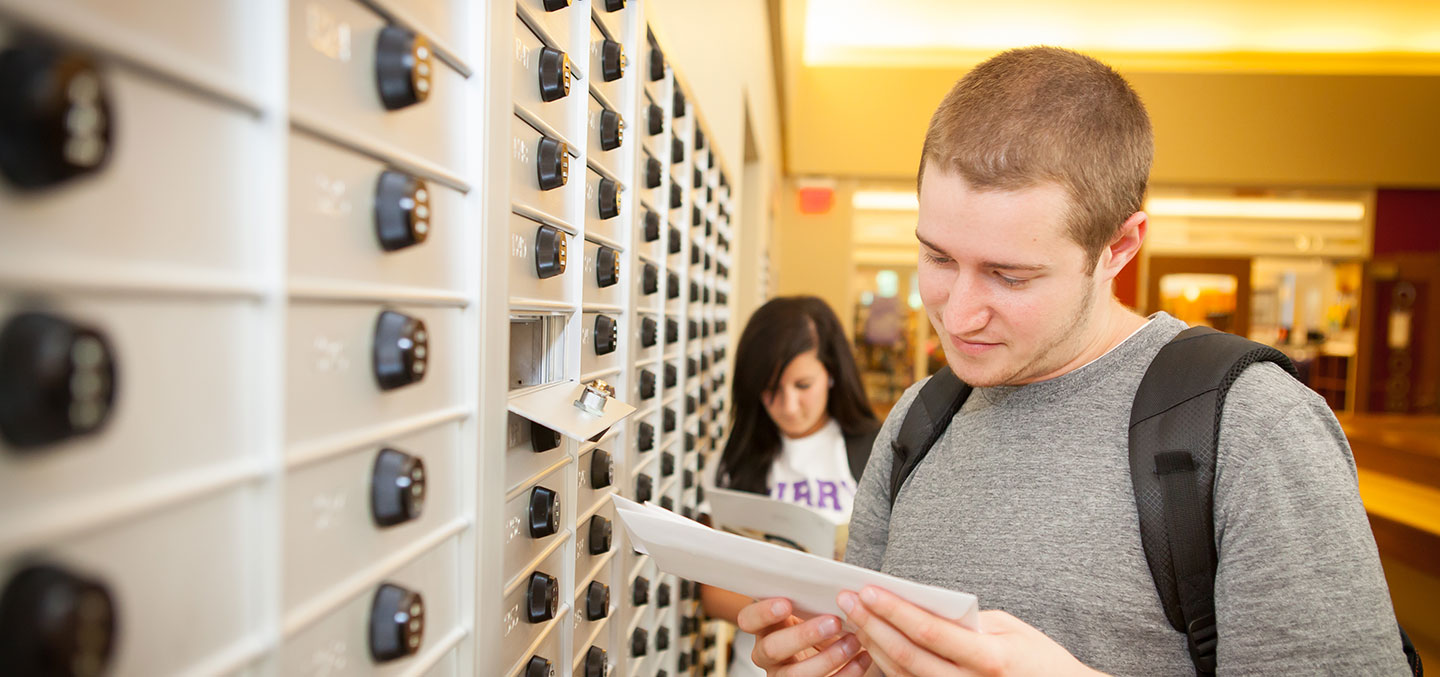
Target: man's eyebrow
(930, 245)
(1024, 267)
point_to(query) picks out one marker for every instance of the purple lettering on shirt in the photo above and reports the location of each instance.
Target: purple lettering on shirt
(828, 489)
(800, 493)
(777, 492)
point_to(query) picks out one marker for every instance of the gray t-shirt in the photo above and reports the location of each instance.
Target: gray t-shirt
(1026, 501)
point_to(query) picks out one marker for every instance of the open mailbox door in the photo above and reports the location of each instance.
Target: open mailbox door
(578, 410)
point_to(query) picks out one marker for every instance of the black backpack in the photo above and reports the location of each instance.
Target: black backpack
(1172, 467)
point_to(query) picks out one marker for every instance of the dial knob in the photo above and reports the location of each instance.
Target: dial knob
(612, 61)
(550, 252)
(601, 533)
(657, 65)
(606, 334)
(397, 623)
(539, 667)
(607, 199)
(397, 488)
(57, 380)
(402, 350)
(602, 469)
(552, 163)
(644, 436)
(542, 597)
(612, 130)
(404, 70)
(402, 210)
(596, 663)
(55, 622)
(597, 601)
(543, 439)
(644, 486)
(554, 74)
(55, 118)
(544, 512)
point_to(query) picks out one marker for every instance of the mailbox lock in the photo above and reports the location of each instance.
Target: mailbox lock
(403, 67)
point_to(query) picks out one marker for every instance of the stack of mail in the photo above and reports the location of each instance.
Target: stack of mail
(760, 570)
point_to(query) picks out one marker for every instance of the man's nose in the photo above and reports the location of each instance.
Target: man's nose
(968, 308)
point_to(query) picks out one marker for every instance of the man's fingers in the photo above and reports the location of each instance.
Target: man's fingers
(856, 667)
(826, 662)
(937, 635)
(756, 617)
(780, 646)
(893, 650)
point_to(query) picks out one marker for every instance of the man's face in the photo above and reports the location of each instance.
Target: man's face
(1006, 289)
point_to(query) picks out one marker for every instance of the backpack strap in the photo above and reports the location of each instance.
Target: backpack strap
(1174, 433)
(857, 451)
(929, 415)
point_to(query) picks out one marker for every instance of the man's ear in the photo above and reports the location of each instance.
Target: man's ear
(1124, 248)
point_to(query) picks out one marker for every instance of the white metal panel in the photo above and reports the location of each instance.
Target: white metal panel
(613, 228)
(584, 628)
(339, 641)
(442, 19)
(518, 635)
(331, 391)
(333, 240)
(330, 533)
(525, 179)
(211, 34)
(182, 582)
(520, 547)
(333, 86)
(608, 159)
(525, 280)
(521, 461)
(593, 292)
(612, 90)
(525, 84)
(557, 25)
(162, 209)
(590, 361)
(182, 412)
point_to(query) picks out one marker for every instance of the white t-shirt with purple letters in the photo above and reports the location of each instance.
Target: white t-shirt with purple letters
(814, 471)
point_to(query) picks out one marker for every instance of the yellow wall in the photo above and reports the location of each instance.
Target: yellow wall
(813, 252)
(1227, 128)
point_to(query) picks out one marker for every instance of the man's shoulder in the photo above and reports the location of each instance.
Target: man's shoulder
(1264, 393)
(891, 426)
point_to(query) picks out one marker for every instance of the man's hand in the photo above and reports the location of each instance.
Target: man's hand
(907, 641)
(786, 646)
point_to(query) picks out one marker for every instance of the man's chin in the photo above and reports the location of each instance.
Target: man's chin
(976, 375)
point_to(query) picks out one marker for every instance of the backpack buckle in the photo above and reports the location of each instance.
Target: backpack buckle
(1202, 639)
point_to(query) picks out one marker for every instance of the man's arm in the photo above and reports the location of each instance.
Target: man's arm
(870, 519)
(1299, 581)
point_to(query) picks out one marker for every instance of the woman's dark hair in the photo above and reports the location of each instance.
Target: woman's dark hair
(779, 331)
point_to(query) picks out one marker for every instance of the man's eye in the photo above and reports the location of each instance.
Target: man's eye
(1011, 281)
(935, 258)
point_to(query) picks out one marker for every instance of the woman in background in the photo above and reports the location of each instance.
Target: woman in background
(802, 428)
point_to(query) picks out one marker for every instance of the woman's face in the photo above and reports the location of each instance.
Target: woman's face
(797, 404)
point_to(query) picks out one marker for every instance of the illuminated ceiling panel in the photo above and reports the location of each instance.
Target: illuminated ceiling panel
(1402, 33)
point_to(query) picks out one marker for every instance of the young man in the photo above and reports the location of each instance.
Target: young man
(1031, 184)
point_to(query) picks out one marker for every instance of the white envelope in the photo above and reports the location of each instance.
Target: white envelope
(761, 570)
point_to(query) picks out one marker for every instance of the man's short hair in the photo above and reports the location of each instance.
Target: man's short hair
(1044, 114)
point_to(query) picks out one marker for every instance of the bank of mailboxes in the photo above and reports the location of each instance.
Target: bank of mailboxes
(243, 314)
